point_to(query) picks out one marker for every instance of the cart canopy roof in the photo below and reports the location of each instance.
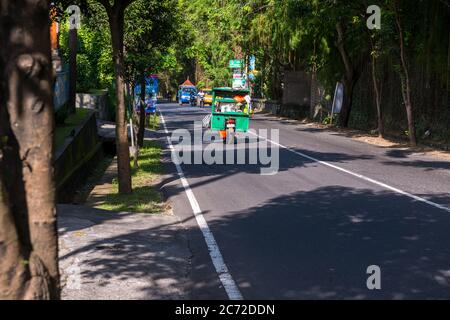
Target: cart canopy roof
(236, 91)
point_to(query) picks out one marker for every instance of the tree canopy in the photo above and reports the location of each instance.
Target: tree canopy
(195, 39)
(330, 38)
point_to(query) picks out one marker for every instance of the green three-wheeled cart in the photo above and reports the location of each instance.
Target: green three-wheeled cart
(230, 112)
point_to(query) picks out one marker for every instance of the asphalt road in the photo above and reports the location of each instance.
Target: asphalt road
(311, 230)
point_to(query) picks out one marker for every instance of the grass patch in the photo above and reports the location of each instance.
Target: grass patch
(153, 122)
(64, 131)
(144, 199)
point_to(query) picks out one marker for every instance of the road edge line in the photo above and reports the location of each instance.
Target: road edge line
(222, 271)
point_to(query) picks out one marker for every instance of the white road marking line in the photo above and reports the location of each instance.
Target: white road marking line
(219, 264)
(360, 176)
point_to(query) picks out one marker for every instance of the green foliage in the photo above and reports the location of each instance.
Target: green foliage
(94, 62)
(327, 119)
(210, 37)
(301, 35)
(150, 30)
(153, 122)
(196, 38)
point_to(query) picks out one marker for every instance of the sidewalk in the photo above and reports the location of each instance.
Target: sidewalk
(106, 255)
(110, 255)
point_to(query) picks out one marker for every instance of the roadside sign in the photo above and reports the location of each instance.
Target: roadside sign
(252, 63)
(239, 83)
(235, 64)
(338, 98)
(237, 73)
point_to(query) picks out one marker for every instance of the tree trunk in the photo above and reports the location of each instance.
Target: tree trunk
(116, 22)
(447, 74)
(404, 77)
(349, 79)
(316, 98)
(141, 131)
(28, 234)
(313, 98)
(377, 90)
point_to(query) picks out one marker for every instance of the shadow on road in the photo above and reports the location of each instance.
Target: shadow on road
(318, 244)
(427, 165)
(313, 244)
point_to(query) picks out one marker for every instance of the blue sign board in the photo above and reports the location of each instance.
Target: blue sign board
(61, 89)
(252, 63)
(151, 93)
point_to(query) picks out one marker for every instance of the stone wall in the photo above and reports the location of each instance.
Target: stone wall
(95, 101)
(73, 160)
(266, 106)
(296, 101)
(297, 88)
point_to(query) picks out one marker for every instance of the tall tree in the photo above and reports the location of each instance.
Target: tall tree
(115, 11)
(28, 235)
(404, 74)
(349, 78)
(150, 29)
(377, 87)
(116, 14)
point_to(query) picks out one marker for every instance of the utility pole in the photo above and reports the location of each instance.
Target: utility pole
(74, 21)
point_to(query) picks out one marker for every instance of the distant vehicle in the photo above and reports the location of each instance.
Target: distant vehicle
(184, 92)
(230, 112)
(204, 97)
(207, 98)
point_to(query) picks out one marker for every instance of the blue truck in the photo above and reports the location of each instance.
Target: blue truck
(184, 92)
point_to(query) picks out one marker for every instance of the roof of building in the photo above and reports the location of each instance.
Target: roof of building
(187, 83)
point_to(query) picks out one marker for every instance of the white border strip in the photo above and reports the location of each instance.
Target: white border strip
(219, 264)
(360, 176)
